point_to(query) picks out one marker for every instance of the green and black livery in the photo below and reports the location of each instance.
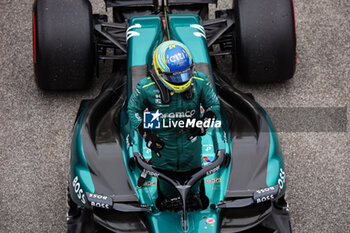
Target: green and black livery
(242, 179)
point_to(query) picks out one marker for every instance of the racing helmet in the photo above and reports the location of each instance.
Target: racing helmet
(172, 63)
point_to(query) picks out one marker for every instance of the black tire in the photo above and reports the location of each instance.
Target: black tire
(265, 40)
(63, 44)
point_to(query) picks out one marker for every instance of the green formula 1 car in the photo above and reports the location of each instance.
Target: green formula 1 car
(113, 186)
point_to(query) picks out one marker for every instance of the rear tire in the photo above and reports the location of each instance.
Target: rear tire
(63, 44)
(265, 40)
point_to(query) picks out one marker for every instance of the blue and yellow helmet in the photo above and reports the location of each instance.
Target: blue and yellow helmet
(172, 63)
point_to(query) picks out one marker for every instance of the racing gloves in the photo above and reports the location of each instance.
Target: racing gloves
(152, 141)
(201, 131)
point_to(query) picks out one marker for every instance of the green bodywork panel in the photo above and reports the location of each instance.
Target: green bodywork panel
(81, 180)
(275, 166)
(185, 28)
(146, 34)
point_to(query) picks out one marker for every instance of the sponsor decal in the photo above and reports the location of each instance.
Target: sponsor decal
(210, 220)
(145, 173)
(188, 114)
(96, 202)
(201, 32)
(98, 196)
(266, 198)
(213, 181)
(266, 194)
(78, 190)
(178, 57)
(127, 141)
(267, 189)
(209, 158)
(206, 159)
(100, 205)
(130, 33)
(208, 147)
(150, 183)
(215, 169)
(282, 179)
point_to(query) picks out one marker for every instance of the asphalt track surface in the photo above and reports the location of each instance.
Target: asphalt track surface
(36, 126)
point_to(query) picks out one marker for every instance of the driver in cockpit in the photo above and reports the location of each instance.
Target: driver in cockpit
(173, 94)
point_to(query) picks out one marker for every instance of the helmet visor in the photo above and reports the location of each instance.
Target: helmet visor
(178, 77)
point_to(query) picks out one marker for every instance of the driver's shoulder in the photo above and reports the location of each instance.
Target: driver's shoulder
(200, 78)
(146, 82)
